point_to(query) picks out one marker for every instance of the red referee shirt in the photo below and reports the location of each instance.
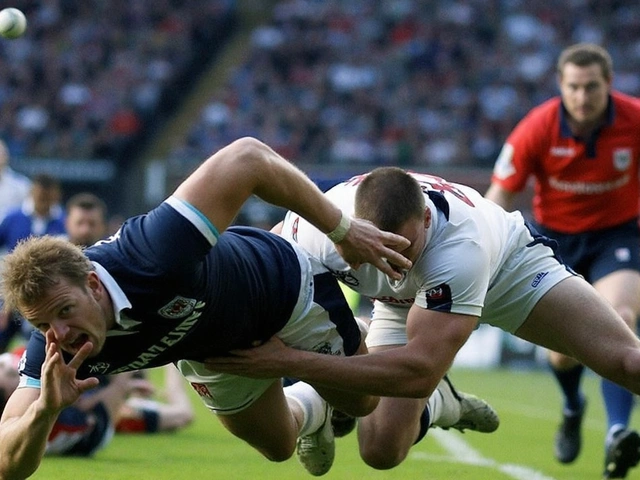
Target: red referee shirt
(579, 185)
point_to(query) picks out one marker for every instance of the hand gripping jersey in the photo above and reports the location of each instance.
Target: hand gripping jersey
(469, 245)
(182, 292)
(580, 185)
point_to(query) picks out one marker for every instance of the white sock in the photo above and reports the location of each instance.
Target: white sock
(445, 411)
(311, 404)
(435, 405)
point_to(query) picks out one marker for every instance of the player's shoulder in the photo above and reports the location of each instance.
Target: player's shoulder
(626, 104)
(544, 112)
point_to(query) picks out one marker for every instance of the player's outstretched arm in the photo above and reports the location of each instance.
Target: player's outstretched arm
(246, 167)
(30, 413)
(412, 370)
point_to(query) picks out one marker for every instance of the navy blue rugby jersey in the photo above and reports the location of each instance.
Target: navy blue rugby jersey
(189, 300)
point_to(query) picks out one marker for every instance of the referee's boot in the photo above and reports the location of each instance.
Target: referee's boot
(568, 441)
(623, 453)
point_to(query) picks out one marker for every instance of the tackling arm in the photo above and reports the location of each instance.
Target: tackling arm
(412, 370)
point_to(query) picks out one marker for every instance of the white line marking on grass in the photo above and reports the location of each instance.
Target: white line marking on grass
(461, 452)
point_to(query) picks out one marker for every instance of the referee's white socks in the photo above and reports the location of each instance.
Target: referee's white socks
(311, 404)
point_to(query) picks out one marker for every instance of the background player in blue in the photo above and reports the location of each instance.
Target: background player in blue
(157, 292)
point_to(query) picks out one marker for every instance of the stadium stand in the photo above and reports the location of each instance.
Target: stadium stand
(405, 82)
(330, 84)
(89, 78)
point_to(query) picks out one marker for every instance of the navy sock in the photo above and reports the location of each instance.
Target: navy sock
(569, 381)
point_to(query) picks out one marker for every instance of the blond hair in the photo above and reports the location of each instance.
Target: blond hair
(36, 265)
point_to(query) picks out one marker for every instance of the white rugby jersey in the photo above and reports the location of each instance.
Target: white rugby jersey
(468, 241)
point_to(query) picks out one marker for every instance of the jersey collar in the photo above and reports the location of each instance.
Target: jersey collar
(565, 130)
(118, 297)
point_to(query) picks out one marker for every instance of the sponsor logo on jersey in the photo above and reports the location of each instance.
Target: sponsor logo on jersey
(589, 188)
(99, 368)
(538, 278)
(439, 297)
(178, 307)
(622, 158)
(201, 389)
(395, 301)
(562, 151)
(294, 229)
(171, 338)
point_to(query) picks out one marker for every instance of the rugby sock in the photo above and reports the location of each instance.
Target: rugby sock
(569, 381)
(311, 404)
(436, 407)
(434, 411)
(618, 403)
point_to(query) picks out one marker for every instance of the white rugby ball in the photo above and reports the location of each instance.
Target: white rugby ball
(13, 23)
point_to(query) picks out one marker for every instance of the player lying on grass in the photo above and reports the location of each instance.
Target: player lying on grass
(122, 403)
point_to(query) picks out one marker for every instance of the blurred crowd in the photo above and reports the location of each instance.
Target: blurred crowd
(402, 82)
(91, 77)
(405, 82)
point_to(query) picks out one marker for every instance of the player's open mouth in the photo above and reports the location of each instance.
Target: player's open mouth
(79, 342)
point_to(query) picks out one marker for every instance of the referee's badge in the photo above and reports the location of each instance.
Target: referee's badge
(622, 158)
(178, 307)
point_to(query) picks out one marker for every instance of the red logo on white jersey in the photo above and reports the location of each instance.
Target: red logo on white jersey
(201, 389)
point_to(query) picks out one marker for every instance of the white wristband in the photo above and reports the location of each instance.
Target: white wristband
(338, 234)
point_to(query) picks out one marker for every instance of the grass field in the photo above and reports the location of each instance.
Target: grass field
(521, 449)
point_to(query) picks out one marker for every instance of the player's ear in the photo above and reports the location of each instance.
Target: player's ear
(427, 217)
(95, 285)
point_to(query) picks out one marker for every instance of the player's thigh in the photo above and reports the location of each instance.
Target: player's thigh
(267, 424)
(572, 318)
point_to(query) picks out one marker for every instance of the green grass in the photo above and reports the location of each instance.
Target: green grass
(528, 404)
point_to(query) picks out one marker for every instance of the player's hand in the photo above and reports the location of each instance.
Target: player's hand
(264, 361)
(366, 243)
(60, 387)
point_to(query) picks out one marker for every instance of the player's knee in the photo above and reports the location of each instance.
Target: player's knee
(278, 452)
(381, 455)
(631, 368)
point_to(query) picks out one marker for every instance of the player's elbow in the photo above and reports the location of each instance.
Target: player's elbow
(422, 379)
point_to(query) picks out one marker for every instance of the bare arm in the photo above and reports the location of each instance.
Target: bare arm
(413, 370)
(30, 413)
(501, 196)
(246, 167)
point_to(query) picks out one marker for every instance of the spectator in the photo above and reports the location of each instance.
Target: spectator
(40, 214)
(86, 219)
(14, 187)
